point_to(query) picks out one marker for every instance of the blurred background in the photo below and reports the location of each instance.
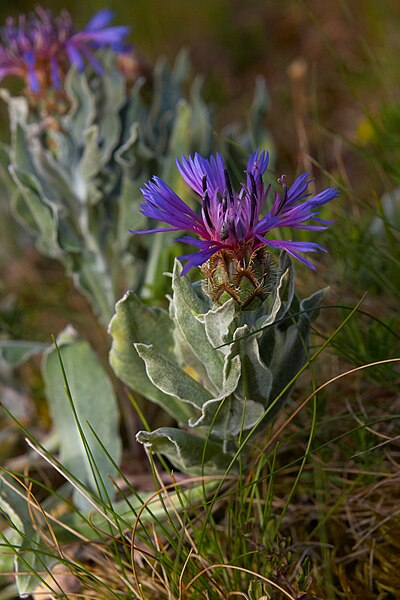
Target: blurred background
(348, 48)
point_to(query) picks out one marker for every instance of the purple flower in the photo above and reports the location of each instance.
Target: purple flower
(39, 47)
(231, 220)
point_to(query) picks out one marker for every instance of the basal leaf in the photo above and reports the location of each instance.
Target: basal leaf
(16, 352)
(94, 407)
(185, 450)
(136, 323)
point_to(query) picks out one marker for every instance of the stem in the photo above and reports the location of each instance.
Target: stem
(99, 276)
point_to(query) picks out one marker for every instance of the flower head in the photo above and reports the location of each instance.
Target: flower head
(40, 48)
(231, 221)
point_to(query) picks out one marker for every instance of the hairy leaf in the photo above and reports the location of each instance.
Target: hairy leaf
(186, 451)
(91, 406)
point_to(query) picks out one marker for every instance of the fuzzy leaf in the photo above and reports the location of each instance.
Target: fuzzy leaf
(113, 86)
(278, 303)
(256, 377)
(59, 185)
(127, 206)
(187, 310)
(218, 322)
(292, 354)
(170, 379)
(16, 352)
(312, 304)
(92, 279)
(185, 450)
(275, 309)
(82, 112)
(186, 358)
(96, 408)
(136, 323)
(43, 216)
(228, 414)
(90, 164)
(22, 158)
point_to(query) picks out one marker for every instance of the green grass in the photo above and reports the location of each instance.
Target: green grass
(270, 529)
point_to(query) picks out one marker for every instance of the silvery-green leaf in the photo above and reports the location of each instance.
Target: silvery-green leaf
(21, 212)
(235, 414)
(286, 288)
(16, 352)
(83, 110)
(170, 379)
(127, 205)
(291, 355)
(66, 152)
(112, 97)
(279, 301)
(226, 415)
(58, 183)
(185, 356)
(218, 322)
(5, 162)
(43, 217)
(95, 409)
(256, 377)
(134, 322)
(91, 277)
(311, 304)
(26, 155)
(166, 96)
(186, 451)
(187, 307)
(70, 241)
(276, 309)
(126, 153)
(21, 156)
(13, 535)
(90, 163)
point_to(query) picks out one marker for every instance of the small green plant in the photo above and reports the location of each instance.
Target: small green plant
(217, 370)
(224, 358)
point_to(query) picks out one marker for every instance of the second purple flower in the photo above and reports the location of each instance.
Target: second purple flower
(40, 47)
